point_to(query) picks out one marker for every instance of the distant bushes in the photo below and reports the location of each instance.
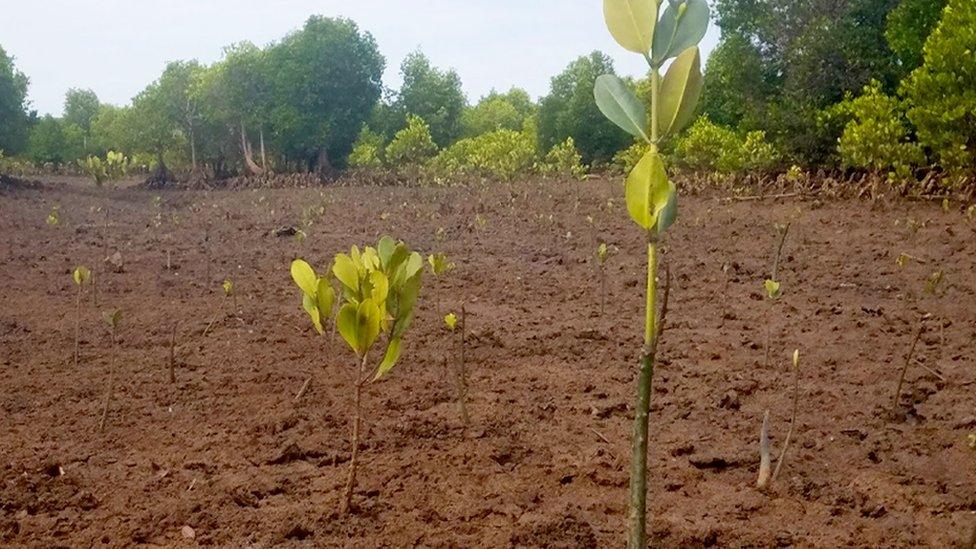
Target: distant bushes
(502, 154)
(710, 147)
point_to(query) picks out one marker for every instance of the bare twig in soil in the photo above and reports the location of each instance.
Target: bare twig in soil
(789, 434)
(172, 354)
(764, 459)
(304, 389)
(463, 375)
(904, 369)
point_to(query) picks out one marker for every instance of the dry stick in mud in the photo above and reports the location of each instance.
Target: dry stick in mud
(775, 278)
(113, 321)
(796, 404)
(172, 354)
(765, 461)
(904, 369)
(463, 375)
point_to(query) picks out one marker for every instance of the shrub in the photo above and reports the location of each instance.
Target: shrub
(875, 137)
(942, 92)
(757, 154)
(563, 160)
(709, 147)
(367, 151)
(412, 146)
(501, 154)
(628, 158)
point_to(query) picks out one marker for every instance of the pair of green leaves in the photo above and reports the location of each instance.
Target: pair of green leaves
(634, 25)
(439, 264)
(652, 200)
(679, 93)
(81, 275)
(317, 292)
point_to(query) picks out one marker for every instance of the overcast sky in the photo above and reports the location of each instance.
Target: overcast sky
(116, 47)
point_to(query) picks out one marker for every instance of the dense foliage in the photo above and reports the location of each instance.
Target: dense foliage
(14, 118)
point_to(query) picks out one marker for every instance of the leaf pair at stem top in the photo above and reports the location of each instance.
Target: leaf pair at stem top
(634, 24)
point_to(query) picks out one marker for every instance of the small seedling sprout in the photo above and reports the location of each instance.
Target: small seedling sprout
(113, 319)
(80, 276)
(457, 327)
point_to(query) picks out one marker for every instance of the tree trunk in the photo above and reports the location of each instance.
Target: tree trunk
(264, 158)
(323, 166)
(252, 168)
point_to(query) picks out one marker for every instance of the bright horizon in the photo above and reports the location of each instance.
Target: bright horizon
(114, 47)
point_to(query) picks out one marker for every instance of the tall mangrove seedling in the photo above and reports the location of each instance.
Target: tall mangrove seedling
(379, 289)
(651, 198)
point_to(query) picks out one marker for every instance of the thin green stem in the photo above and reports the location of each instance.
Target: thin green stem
(655, 98)
(638, 471)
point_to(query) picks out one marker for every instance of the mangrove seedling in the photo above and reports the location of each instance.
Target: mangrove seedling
(773, 288)
(457, 327)
(228, 287)
(766, 473)
(54, 218)
(80, 276)
(379, 289)
(113, 319)
(651, 198)
(438, 265)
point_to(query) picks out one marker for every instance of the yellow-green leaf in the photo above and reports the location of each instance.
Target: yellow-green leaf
(346, 271)
(647, 190)
(304, 276)
(389, 358)
(451, 320)
(631, 22)
(680, 91)
(772, 288)
(310, 306)
(348, 326)
(381, 286)
(324, 297)
(81, 275)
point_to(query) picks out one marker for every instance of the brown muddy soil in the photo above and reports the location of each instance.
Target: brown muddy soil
(226, 457)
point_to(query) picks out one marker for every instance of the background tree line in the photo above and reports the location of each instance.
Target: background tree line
(878, 85)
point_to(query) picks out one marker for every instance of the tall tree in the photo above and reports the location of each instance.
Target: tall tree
(570, 111)
(80, 108)
(327, 80)
(908, 26)
(14, 118)
(432, 94)
(498, 111)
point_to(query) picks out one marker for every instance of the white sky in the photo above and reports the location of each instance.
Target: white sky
(116, 47)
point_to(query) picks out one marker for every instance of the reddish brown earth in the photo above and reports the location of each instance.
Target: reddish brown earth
(226, 452)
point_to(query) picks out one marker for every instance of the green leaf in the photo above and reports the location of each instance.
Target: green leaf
(451, 320)
(81, 275)
(679, 29)
(389, 358)
(647, 190)
(385, 249)
(631, 23)
(370, 319)
(669, 212)
(772, 288)
(346, 271)
(303, 275)
(324, 298)
(348, 326)
(680, 91)
(619, 104)
(311, 307)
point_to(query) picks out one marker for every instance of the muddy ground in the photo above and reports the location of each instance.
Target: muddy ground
(225, 456)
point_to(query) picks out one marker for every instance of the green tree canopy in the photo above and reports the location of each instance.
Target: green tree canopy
(327, 78)
(908, 26)
(942, 92)
(432, 94)
(53, 141)
(498, 111)
(14, 118)
(80, 108)
(570, 111)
